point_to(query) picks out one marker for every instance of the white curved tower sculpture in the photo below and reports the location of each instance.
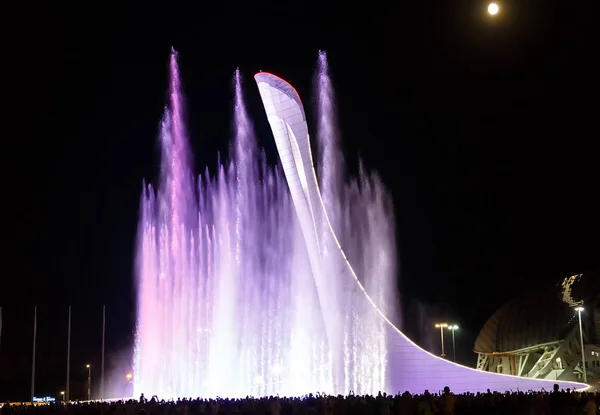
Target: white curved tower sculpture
(407, 366)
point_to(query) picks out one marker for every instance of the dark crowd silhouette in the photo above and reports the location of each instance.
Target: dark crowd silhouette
(558, 402)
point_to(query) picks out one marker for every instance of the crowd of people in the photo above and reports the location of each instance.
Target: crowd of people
(445, 403)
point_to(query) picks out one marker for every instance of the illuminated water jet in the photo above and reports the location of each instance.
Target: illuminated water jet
(227, 303)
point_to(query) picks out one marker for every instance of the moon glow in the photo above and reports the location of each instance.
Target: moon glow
(493, 9)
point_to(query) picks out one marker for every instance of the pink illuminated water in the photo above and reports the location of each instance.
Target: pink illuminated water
(227, 304)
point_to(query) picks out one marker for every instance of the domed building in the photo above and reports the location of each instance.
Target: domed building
(538, 335)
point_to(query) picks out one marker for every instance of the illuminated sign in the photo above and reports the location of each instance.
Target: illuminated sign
(44, 399)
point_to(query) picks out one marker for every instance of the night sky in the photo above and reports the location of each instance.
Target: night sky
(482, 129)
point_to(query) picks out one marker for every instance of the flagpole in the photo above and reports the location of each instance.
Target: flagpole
(102, 364)
(33, 360)
(68, 355)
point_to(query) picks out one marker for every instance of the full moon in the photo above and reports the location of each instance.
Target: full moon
(493, 9)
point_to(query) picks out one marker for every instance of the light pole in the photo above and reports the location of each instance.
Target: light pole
(453, 328)
(89, 368)
(62, 395)
(442, 326)
(579, 311)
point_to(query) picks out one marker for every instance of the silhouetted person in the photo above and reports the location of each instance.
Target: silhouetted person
(426, 406)
(447, 402)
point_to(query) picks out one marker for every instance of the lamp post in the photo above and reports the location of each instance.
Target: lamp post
(579, 311)
(62, 395)
(89, 368)
(453, 328)
(442, 326)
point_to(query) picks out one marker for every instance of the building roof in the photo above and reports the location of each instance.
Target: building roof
(543, 316)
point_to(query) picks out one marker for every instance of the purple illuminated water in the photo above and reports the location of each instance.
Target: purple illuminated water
(227, 304)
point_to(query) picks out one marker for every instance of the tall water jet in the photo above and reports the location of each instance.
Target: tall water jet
(233, 300)
(361, 214)
(330, 159)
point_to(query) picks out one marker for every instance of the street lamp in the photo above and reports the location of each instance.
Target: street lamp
(442, 326)
(89, 368)
(62, 394)
(579, 311)
(453, 328)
